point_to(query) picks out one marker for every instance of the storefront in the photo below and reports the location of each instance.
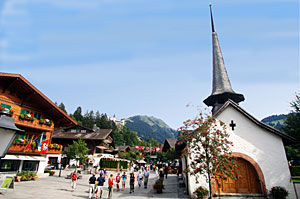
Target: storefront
(17, 163)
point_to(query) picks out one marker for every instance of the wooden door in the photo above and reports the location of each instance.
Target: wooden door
(247, 182)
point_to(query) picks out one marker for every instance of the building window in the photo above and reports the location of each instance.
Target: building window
(83, 131)
(5, 106)
(73, 130)
(24, 111)
(9, 165)
(37, 116)
(30, 165)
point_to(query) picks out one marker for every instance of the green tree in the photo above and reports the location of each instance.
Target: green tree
(78, 151)
(78, 114)
(292, 128)
(62, 107)
(292, 122)
(208, 147)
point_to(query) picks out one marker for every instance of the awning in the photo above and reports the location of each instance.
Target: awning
(101, 147)
(24, 157)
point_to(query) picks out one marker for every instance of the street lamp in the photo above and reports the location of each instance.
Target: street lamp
(7, 132)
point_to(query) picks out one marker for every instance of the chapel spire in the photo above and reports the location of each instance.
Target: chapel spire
(221, 88)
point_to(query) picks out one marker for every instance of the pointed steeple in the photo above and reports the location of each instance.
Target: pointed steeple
(221, 90)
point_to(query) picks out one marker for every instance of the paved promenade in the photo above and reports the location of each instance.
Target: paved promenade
(54, 187)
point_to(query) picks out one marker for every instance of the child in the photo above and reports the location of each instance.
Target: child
(131, 182)
(124, 177)
(74, 180)
(118, 180)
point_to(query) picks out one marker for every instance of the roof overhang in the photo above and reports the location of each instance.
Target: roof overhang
(286, 138)
(28, 93)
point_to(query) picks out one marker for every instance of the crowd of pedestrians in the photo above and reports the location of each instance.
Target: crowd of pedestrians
(96, 184)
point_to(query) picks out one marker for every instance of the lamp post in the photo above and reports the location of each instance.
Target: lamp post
(7, 132)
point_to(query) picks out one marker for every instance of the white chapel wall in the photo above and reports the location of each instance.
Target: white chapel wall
(265, 148)
(262, 146)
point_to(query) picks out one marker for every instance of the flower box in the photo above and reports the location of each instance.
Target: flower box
(26, 116)
(46, 122)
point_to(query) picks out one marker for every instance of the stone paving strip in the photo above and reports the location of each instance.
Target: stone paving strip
(54, 187)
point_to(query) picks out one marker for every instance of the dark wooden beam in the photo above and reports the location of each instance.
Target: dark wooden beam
(8, 84)
(26, 96)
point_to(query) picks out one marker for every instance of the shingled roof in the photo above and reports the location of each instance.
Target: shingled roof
(65, 133)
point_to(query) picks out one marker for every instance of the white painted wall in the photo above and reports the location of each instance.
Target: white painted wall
(261, 145)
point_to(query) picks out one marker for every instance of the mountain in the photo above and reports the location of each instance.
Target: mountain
(276, 121)
(150, 127)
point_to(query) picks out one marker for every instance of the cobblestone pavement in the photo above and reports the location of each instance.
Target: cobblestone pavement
(54, 187)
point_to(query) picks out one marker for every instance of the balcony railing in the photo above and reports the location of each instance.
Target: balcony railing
(21, 148)
(32, 123)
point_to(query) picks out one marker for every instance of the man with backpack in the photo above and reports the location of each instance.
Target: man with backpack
(100, 182)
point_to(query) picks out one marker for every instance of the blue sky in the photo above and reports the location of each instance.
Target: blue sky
(129, 57)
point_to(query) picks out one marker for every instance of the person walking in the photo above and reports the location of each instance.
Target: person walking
(110, 185)
(161, 175)
(140, 178)
(124, 177)
(74, 180)
(118, 181)
(146, 177)
(131, 182)
(92, 182)
(100, 182)
(166, 171)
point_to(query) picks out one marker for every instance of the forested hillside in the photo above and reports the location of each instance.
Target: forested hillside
(276, 121)
(121, 134)
(150, 127)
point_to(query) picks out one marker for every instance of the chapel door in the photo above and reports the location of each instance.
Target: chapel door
(247, 182)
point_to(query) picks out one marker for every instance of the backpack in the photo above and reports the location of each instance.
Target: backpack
(74, 177)
(118, 178)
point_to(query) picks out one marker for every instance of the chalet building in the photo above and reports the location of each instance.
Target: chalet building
(37, 116)
(122, 149)
(99, 141)
(169, 144)
(258, 148)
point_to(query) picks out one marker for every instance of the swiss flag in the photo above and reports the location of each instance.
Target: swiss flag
(136, 147)
(158, 149)
(43, 147)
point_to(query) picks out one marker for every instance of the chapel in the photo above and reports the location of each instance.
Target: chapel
(259, 148)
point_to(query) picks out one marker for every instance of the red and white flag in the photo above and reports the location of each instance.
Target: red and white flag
(43, 147)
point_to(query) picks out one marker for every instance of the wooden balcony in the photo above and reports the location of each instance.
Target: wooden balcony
(54, 151)
(32, 124)
(21, 148)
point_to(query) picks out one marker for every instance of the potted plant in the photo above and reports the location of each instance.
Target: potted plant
(158, 186)
(278, 192)
(201, 192)
(18, 177)
(33, 175)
